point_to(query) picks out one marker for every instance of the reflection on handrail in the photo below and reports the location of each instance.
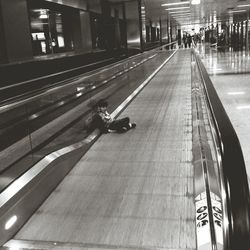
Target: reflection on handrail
(234, 182)
(207, 195)
(51, 75)
(11, 88)
(16, 101)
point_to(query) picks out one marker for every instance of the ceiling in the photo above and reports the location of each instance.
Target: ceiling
(203, 14)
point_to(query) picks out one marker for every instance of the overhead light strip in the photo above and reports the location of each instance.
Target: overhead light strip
(178, 14)
(178, 8)
(235, 11)
(182, 17)
(171, 4)
(188, 15)
(236, 93)
(183, 11)
(194, 2)
(245, 5)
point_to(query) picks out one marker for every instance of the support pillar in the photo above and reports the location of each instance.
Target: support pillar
(124, 34)
(160, 31)
(140, 26)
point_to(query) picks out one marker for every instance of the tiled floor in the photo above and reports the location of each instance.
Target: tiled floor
(230, 74)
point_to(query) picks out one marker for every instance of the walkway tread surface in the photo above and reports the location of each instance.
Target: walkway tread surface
(131, 190)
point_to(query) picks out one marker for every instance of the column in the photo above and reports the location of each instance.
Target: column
(124, 32)
(140, 25)
(160, 31)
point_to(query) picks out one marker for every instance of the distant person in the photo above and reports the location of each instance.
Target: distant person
(221, 44)
(106, 124)
(189, 40)
(185, 40)
(195, 39)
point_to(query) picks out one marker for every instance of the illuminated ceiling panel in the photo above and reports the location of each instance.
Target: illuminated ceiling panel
(204, 13)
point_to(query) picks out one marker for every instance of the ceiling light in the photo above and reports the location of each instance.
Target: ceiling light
(170, 4)
(245, 5)
(194, 2)
(235, 11)
(236, 93)
(43, 16)
(182, 11)
(178, 8)
(243, 107)
(181, 18)
(179, 15)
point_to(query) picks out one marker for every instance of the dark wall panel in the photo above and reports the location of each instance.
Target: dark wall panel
(3, 55)
(117, 8)
(16, 29)
(95, 6)
(76, 30)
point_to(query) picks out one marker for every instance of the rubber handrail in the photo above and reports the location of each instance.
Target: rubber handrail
(234, 181)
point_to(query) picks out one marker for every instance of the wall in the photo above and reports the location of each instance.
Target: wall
(3, 55)
(16, 30)
(94, 6)
(76, 30)
(81, 22)
(116, 7)
(79, 4)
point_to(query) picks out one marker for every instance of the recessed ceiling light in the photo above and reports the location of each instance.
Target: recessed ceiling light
(177, 15)
(182, 17)
(178, 8)
(236, 11)
(171, 4)
(194, 2)
(236, 93)
(245, 5)
(182, 11)
(243, 107)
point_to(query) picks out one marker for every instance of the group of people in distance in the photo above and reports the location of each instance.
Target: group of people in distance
(187, 40)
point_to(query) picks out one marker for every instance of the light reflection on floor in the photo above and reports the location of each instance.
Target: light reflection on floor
(230, 74)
